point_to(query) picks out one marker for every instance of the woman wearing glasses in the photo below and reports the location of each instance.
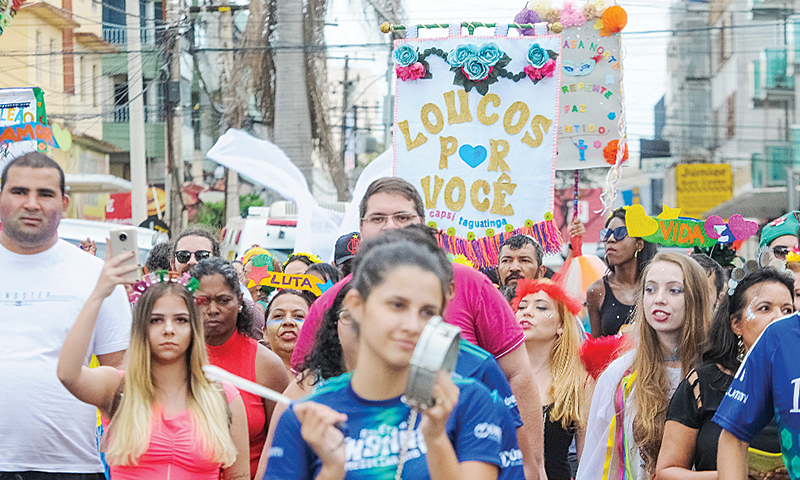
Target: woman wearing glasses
(780, 235)
(227, 328)
(610, 300)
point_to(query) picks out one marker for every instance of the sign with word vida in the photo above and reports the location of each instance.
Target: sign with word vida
(591, 97)
(671, 230)
(21, 106)
(475, 129)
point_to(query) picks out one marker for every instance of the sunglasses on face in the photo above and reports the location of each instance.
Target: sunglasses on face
(183, 256)
(780, 251)
(619, 233)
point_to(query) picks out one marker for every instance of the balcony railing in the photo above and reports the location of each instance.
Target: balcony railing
(119, 35)
(771, 9)
(771, 80)
(768, 169)
(152, 113)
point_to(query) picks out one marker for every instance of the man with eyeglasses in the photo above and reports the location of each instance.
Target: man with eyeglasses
(477, 307)
(780, 235)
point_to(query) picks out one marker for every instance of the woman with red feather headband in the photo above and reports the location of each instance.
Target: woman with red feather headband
(546, 313)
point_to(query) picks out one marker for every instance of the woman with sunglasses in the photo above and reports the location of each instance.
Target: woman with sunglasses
(780, 235)
(227, 329)
(610, 299)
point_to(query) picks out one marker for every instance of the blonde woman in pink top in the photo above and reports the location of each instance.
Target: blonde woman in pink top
(168, 421)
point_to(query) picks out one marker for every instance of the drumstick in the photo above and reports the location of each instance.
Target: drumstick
(220, 375)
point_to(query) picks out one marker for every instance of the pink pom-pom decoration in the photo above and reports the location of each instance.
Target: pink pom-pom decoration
(571, 16)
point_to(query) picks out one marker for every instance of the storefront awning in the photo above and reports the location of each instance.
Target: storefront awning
(96, 183)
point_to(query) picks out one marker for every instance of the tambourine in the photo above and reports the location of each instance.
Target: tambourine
(436, 350)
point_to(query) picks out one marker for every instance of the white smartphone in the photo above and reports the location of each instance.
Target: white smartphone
(124, 240)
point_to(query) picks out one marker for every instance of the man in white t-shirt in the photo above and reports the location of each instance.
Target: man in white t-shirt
(45, 432)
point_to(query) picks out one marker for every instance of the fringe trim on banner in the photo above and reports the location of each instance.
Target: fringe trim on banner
(483, 252)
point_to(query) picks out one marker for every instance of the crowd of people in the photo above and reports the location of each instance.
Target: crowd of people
(686, 370)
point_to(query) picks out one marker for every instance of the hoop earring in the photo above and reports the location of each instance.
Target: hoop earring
(740, 354)
(636, 255)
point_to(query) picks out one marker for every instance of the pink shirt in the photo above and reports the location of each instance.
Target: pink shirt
(478, 308)
(174, 452)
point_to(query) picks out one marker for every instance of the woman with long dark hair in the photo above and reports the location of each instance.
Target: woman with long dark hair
(689, 448)
(396, 289)
(609, 300)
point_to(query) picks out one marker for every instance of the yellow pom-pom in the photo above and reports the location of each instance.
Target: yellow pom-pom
(554, 15)
(793, 257)
(600, 6)
(541, 7)
(385, 27)
(590, 11)
(556, 27)
(463, 260)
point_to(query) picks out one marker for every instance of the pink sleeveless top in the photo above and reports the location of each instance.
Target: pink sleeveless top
(238, 356)
(174, 452)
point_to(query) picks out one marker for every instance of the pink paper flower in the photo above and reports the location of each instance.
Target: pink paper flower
(549, 68)
(533, 73)
(536, 74)
(414, 71)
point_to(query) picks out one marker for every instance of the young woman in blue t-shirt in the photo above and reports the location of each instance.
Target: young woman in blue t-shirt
(397, 288)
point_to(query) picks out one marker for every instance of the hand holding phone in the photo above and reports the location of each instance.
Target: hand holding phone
(123, 240)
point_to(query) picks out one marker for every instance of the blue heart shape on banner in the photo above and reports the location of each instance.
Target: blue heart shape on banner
(472, 156)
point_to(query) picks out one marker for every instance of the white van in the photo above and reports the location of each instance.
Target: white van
(74, 230)
(272, 228)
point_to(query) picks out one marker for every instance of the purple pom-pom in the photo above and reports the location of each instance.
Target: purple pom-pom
(526, 15)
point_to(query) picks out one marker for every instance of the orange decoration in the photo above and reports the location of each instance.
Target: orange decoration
(614, 20)
(610, 152)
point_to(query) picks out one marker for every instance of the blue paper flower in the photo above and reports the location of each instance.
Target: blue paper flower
(489, 54)
(537, 56)
(459, 55)
(475, 70)
(405, 55)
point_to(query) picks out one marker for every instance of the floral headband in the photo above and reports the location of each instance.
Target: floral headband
(310, 256)
(161, 276)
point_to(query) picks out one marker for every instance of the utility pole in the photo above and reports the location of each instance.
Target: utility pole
(388, 103)
(354, 136)
(174, 162)
(234, 119)
(345, 93)
(138, 162)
